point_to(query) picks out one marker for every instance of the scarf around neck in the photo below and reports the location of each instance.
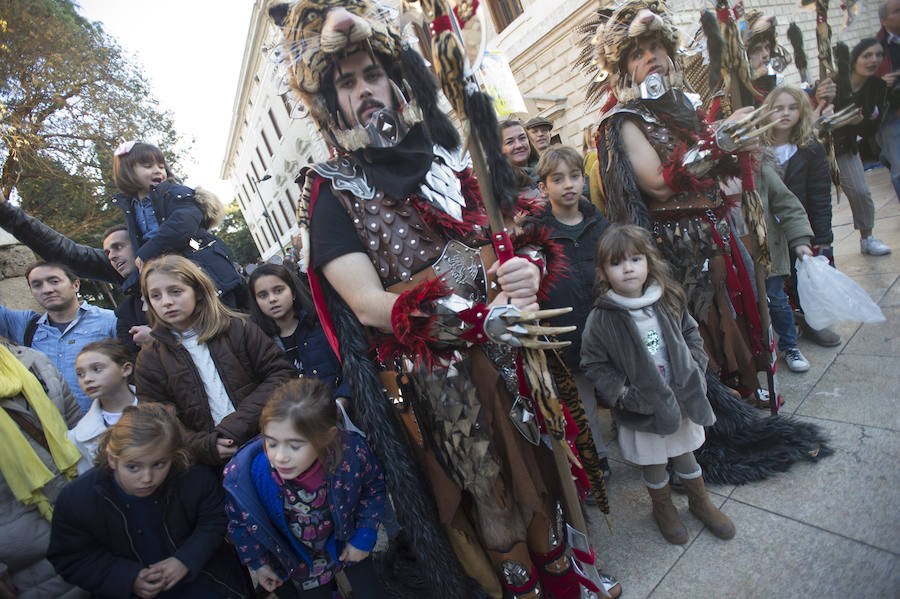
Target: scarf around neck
(22, 469)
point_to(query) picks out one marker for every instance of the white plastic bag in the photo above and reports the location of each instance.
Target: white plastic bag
(829, 296)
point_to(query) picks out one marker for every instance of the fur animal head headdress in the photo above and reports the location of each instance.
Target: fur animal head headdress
(317, 34)
(611, 35)
(761, 29)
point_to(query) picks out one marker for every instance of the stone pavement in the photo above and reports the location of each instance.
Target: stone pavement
(825, 530)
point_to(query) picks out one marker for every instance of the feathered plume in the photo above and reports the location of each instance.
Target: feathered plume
(796, 37)
(714, 45)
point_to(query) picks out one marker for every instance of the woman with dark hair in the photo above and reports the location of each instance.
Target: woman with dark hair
(869, 93)
(283, 308)
(521, 153)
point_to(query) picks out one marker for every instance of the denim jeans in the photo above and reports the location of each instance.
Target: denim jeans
(888, 137)
(781, 314)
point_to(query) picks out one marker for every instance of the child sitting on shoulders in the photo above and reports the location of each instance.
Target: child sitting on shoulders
(103, 369)
(644, 354)
(144, 521)
(305, 499)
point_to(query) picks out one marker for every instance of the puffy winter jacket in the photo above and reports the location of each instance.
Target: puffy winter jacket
(91, 545)
(180, 232)
(255, 506)
(806, 175)
(318, 357)
(251, 368)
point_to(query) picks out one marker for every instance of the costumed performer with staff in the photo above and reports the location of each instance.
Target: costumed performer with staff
(393, 212)
(661, 164)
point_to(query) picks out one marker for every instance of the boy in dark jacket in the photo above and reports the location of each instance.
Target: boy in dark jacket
(575, 224)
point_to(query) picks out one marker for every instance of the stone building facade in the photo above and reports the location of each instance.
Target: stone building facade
(542, 46)
(15, 259)
(266, 145)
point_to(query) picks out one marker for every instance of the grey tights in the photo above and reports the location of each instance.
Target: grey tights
(685, 465)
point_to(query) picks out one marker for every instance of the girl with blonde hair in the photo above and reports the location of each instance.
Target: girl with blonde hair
(802, 163)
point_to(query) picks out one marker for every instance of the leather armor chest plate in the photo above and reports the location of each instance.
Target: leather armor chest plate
(663, 140)
(396, 239)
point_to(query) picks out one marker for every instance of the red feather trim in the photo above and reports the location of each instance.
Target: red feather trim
(677, 176)
(412, 320)
(555, 264)
(714, 109)
(610, 102)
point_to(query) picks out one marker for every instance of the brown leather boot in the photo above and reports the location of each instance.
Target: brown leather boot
(699, 504)
(666, 516)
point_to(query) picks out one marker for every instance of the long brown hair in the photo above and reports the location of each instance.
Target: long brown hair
(210, 317)
(310, 407)
(123, 167)
(620, 241)
(148, 423)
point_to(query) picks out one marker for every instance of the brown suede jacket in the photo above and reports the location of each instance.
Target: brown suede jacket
(251, 367)
(614, 358)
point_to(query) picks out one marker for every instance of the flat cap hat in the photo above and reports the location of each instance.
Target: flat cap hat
(538, 121)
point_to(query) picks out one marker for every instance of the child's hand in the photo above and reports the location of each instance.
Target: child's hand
(351, 555)
(803, 251)
(267, 578)
(170, 570)
(139, 264)
(226, 448)
(140, 334)
(147, 584)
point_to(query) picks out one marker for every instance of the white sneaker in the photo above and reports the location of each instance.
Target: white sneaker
(873, 247)
(795, 360)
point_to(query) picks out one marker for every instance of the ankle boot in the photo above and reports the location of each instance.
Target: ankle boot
(666, 516)
(699, 504)
(556, 574)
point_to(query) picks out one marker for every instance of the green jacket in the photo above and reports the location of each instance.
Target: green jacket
(787, 225)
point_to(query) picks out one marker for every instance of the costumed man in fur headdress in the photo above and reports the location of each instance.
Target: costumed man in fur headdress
(658, 173)
(396, 226)
(661, 164)
(767, 57)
